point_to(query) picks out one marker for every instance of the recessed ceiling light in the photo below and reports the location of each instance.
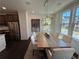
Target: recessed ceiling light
(3, 8)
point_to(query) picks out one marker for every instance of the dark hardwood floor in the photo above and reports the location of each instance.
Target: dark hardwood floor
(15, 50)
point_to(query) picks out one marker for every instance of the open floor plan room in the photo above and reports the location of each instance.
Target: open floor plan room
(39, 29)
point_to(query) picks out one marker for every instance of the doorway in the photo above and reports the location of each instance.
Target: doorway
(35, 25)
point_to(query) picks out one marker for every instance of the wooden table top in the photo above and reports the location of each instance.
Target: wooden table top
(43, 42)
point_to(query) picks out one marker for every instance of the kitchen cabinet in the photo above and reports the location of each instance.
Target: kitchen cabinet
(12, 17)
(12, 22)
(2, 42)
(3, 20)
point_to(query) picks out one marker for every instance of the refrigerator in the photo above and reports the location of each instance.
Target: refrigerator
(14, 30)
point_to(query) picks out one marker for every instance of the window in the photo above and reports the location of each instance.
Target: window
(46, 24)
(65, 22)
(76, 25)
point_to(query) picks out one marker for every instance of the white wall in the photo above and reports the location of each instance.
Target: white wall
(28, 22)
(23, 24)
(37, 17)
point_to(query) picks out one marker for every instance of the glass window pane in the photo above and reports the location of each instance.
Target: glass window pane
(65, 22)
(46, 24)
(76, 25)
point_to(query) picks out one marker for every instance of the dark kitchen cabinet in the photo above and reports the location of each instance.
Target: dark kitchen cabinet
(3, 20)
(12, 22)
(12, 17)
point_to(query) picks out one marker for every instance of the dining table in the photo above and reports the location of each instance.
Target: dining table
(51, 42)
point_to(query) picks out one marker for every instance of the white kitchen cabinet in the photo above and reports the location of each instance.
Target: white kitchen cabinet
(2, 42)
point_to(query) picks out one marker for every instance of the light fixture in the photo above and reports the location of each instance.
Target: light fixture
(45, 3)
(28, 3)
(33, 11)
(59, 3)
(4, 8)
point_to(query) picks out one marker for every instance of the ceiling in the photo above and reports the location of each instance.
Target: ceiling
(35, 6)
